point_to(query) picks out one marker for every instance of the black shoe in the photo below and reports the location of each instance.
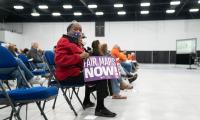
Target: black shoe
(104, 113)
(88, 104)
(129, 76)
(133, 79)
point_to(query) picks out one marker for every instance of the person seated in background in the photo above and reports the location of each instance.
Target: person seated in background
(117, 84)
(121, 57)
(82, 44)
(40, 53)
(132, 58)
(27, 73)
(12, 48)
(25, 51)
(54, 48)
(36, 56)
(127, 65)
(69, 56)
(17, 50)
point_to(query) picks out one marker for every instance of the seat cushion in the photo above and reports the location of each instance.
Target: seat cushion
(5, 77)
(35, 93)
(39, 72)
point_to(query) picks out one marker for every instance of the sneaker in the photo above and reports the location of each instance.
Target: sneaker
(133, 73)
(129, 76)
(37, 80)
(133, 79)
(104, 112)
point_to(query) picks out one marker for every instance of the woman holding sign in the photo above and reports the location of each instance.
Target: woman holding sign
(69, 58)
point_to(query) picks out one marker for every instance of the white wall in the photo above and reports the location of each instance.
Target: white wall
(15, 38)
(16, 27)
(2, 36)
(11, 37)
(47, 34)
(131, 35)
(152, 35)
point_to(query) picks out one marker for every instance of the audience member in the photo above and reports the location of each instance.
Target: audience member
(36, 56)
(116, 83)
(69, 58)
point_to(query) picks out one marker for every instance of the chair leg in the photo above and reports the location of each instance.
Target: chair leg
(11, 115)
(65, 91)
(94, 96)
(43, 106)
(7, 84)
(54, 103)
(78, 90)
(26, 111)
(78, 97)
(69, 102)
(42, 112)
(16, 114)
(71, 94)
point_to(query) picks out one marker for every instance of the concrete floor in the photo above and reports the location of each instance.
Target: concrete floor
(162, 92)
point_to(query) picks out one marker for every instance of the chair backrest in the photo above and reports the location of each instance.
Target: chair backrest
(7, 63)
(7, 60)
(49, 56)
(23, 58)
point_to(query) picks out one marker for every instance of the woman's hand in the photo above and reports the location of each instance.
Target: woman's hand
(84, 55)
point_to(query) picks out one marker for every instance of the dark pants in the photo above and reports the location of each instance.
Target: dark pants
(103, 87)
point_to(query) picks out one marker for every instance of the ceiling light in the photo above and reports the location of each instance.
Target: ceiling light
(43, 6)
(146, 4)
(67, 6)
(92, 6)
(56, 14)
(144, 12)
(18, 7)
(121, 13)
(118, 5)
(199, 1)
(35, 14)
(170, 11)
(99, 13)
(175, 2)
(194, 10)
(77, 13)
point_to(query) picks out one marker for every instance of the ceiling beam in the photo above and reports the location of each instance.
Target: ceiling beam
(83, 2)
(181, 7)
(29, 2)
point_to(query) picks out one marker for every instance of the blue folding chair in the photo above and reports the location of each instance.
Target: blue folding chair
(30, 66)
(49, 59)
(16, 98)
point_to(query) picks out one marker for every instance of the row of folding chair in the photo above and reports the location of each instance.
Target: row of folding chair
(16, 98)
(31, 65)
(49, 59)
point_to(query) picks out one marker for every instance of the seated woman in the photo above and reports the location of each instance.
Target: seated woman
(69, 56)
(117, 84)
